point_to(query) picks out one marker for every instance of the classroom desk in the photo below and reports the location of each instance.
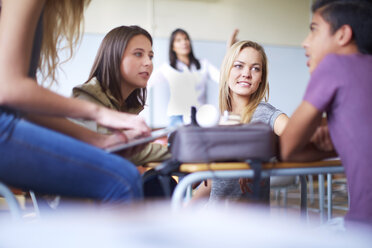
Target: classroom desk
(196, 172)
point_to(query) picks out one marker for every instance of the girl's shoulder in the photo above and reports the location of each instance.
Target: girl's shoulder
(92, 87)
(267, 113)
(265, 107)
(92, 91)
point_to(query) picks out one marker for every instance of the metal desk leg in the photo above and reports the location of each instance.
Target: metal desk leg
(311, 189)
(188, 193)
(321, 196)
(329, 195)
(14, 207)
(303, 197)
(179, 191)
(34, 202)
(181, 188)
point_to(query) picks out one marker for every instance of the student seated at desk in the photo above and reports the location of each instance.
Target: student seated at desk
(118, 81)
(243, 87)
(339, 48)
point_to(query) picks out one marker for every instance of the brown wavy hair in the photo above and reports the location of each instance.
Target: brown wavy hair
(62, 21)
(224, 92)
(106, 66)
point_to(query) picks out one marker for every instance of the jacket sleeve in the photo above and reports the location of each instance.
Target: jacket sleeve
(91, 125)
(153, 152)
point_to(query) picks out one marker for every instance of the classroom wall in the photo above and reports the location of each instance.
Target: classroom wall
(275, 22)
(281, 38)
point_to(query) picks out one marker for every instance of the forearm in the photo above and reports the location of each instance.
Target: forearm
(295, 140)
(27, 96)
(307, 154)
(69, 128)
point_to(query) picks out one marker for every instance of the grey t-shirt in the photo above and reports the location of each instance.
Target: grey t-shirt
(230, 188)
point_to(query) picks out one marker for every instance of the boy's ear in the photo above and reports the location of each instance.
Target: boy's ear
(344, 35)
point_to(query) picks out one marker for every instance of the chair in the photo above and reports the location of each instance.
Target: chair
(14, 207)
(13, 204)
(281, 184)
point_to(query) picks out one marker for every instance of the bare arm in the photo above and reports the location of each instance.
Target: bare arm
(79, 132)
(280, 124)
(295, 141)
(17, 27)
(233, 38)
(67, 127)
(321, 138)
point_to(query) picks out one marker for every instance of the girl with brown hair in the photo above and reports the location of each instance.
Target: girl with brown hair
(118, 81)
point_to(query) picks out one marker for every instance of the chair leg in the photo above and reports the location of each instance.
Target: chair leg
(285, 195)
(12, 202)
(34, 203)
(329, 195)
(277, 196)
(311, 189)
(303, 197)
(321, 196)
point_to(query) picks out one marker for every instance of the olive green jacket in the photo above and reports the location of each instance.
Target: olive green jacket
(93, 92)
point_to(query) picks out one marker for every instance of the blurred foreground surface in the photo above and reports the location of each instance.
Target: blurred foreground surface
(155, 225)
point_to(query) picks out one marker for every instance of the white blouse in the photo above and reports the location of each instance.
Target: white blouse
(186, 86)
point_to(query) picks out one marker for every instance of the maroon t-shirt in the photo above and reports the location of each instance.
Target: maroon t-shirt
(341, 85)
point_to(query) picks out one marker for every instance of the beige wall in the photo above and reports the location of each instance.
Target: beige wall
(275, 22)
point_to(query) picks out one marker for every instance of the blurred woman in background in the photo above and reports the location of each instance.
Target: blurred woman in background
(185, 76)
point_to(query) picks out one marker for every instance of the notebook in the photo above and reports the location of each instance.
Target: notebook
(154, 135)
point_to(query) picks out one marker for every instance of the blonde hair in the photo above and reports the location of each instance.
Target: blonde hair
(225, 99)
(62, 20)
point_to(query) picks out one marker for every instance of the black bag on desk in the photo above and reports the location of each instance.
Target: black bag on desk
(193, 144)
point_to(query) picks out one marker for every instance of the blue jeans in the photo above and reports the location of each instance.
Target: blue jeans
(35, 158)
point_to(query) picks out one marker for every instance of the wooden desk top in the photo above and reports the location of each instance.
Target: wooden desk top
(195, 167)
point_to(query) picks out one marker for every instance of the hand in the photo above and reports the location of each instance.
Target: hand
(123, 121)
(233, 38)
(131, 135)
(322, 140)
(117, 137)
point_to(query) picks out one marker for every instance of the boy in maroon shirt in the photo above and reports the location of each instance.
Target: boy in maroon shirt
(339, 48)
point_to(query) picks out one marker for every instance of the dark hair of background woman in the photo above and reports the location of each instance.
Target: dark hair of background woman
(106, 66)
(172, 54)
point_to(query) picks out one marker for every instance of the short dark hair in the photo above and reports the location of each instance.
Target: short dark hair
(355, 13)
(106, 66)
(172, 54)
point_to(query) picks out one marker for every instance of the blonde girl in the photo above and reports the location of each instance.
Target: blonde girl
(244, 90)
(39, 148)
